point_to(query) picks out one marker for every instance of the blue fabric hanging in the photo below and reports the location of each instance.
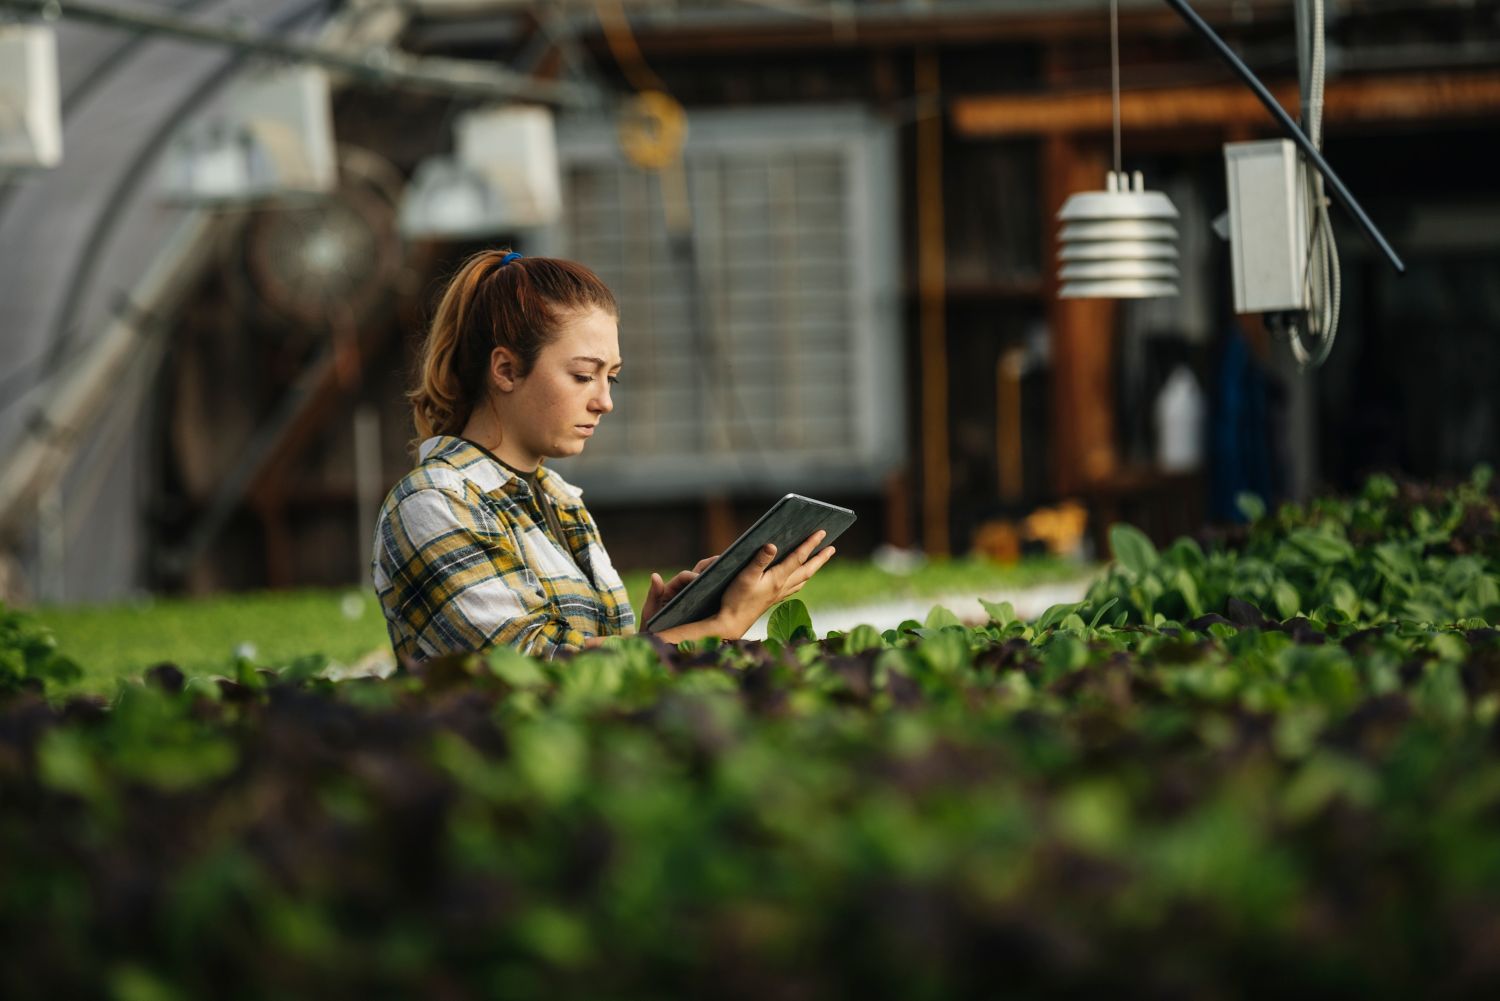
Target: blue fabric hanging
(1240, 431)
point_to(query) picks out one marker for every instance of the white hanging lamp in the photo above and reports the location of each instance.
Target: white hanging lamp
(1119, 243)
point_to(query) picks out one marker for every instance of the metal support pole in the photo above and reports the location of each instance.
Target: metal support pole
(458, 77)
(369, 483)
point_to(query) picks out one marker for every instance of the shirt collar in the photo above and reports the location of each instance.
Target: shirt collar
(460, 453)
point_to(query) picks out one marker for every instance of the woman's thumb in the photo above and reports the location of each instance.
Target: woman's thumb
(766, 555)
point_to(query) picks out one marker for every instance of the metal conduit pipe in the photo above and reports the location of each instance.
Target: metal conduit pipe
(41, 454)
(51, 437)
(119, 200)
(458, 77)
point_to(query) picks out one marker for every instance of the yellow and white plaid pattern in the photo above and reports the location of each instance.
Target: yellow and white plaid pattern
(463, 561)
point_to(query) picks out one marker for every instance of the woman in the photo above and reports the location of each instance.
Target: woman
(481, 545)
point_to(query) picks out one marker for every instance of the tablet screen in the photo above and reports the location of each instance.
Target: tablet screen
(786, 525)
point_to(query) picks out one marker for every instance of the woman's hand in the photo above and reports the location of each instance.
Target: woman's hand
(760, 585)
(662, 592)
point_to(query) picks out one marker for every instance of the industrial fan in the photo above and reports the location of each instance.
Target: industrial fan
(328, 262)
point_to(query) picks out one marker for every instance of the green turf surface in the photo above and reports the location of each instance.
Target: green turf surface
(202, 635)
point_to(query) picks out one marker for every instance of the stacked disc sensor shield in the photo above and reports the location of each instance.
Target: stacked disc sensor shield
(1119, 243)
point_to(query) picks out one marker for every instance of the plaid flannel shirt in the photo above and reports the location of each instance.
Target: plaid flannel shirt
(463, 561)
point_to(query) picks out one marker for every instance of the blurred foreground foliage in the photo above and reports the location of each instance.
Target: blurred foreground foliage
(1233, 801)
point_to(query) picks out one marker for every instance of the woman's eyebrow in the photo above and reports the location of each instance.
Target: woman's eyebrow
(596, 361)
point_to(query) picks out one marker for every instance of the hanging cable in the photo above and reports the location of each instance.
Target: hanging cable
(1311, 335)
(622, 45)
(1114, 74)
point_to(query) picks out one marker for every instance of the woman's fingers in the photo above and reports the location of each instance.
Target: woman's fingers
(809, 544)
(802, 558)
(677, 583)
(817, 563)
(802, 574)
(662, 590)
(704, 564)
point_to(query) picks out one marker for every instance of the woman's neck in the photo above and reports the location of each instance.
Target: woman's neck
(483, 429)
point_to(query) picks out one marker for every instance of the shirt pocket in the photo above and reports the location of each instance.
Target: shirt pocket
(511, 531)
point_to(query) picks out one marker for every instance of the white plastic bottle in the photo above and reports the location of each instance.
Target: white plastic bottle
(1179, 410)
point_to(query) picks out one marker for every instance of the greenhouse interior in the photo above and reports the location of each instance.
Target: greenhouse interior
(749, 498)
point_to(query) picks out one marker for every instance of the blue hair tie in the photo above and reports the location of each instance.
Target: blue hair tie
(512, 256)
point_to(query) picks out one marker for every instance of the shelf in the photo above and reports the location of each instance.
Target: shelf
(1010, 290)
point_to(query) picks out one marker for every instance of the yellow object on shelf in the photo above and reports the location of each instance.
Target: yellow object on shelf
(1060, 527)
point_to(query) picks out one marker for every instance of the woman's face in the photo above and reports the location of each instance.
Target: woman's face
(555, 409)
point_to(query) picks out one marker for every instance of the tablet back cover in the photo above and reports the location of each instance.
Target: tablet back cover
(787, 524)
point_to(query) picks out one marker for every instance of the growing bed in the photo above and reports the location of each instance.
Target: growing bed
(1271, 764)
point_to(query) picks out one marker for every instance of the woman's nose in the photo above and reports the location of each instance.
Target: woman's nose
(603, 402)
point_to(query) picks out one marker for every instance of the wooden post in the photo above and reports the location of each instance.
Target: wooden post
(898, 509)
(932, 293)
(1009, 440)
(718, 523)
(270, 506)
(1082, 333)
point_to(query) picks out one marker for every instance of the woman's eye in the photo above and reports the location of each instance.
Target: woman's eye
(584, 378)
(614, 380)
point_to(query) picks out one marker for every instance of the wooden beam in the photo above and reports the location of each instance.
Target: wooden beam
(1405, 97)
(335, 376)
(332, 384)
(896, 30)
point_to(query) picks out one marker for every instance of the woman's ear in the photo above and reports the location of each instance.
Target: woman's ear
(503, 369)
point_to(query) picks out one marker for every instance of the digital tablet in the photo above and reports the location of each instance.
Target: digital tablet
(786, 525)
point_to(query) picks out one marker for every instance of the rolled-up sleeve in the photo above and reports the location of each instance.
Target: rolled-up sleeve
(458, 582)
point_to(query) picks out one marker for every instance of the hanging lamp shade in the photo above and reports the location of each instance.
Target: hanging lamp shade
(1119, 243)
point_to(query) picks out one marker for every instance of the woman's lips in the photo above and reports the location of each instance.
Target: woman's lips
(587, 430)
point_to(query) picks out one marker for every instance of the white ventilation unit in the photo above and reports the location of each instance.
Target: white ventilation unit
(273, 139)
(516, 148)
(30, 106)
(502, 178)
(785, 375)
(444, 200)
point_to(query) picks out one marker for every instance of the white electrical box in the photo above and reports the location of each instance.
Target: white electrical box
(1268, 235)
(515, 148)
(30, 105)
(274, 138)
